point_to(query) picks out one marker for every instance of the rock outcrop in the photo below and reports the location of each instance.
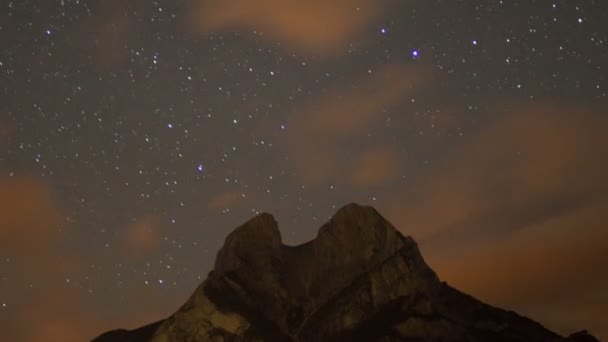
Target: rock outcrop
(359, 280)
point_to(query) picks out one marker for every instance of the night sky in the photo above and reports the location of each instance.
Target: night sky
(136, 134)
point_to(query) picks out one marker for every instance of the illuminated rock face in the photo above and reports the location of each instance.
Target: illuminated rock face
(359, 280)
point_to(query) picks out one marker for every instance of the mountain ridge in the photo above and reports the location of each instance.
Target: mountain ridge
(359, 279)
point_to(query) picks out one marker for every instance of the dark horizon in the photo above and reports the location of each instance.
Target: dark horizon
(135, 135)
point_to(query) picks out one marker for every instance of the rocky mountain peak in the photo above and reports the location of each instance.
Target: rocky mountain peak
(360, 279)
(254, 243)
(357, 231)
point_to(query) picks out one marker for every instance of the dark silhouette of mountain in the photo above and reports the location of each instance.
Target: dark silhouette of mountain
(359, 280)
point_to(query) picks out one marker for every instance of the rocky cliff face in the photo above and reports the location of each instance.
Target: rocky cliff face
(358, 280)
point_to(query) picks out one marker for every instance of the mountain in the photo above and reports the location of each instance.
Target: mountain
(359, 280)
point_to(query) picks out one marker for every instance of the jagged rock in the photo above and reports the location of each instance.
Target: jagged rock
(582, 336)
(359, 280)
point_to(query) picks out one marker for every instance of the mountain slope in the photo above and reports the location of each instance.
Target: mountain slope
(359, 280)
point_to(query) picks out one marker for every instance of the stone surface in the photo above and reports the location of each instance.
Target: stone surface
(359, 280)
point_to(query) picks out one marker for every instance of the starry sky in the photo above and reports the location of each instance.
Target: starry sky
(135, 135)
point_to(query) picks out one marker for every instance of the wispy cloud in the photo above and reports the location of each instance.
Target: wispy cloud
(323, 128)
(517, 213)
(314, 27)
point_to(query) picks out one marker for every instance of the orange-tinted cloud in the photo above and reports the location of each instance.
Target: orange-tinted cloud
(323, 128)
(536, 162)
(517, 215)
(43, 284)
(375, 166)
(227, 200)
(29, 218)
(322, 27)
(105, 34)
(143, 235)
(31, 228)
(58, 316)
(550, 264)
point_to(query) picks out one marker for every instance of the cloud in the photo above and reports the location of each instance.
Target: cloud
(516, 214)
(536, 162)
(227, 199)
(29, 218)
(325, 128)
(375, 166)
(322, 27)
(104, 36)
(143, 235)
(542, 270)
(65, 319)
(44, 284)
(31, 228)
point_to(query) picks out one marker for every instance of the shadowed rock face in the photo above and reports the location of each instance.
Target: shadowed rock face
(358, 280)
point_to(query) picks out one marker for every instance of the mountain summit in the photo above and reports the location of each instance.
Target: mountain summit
(359, 280)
